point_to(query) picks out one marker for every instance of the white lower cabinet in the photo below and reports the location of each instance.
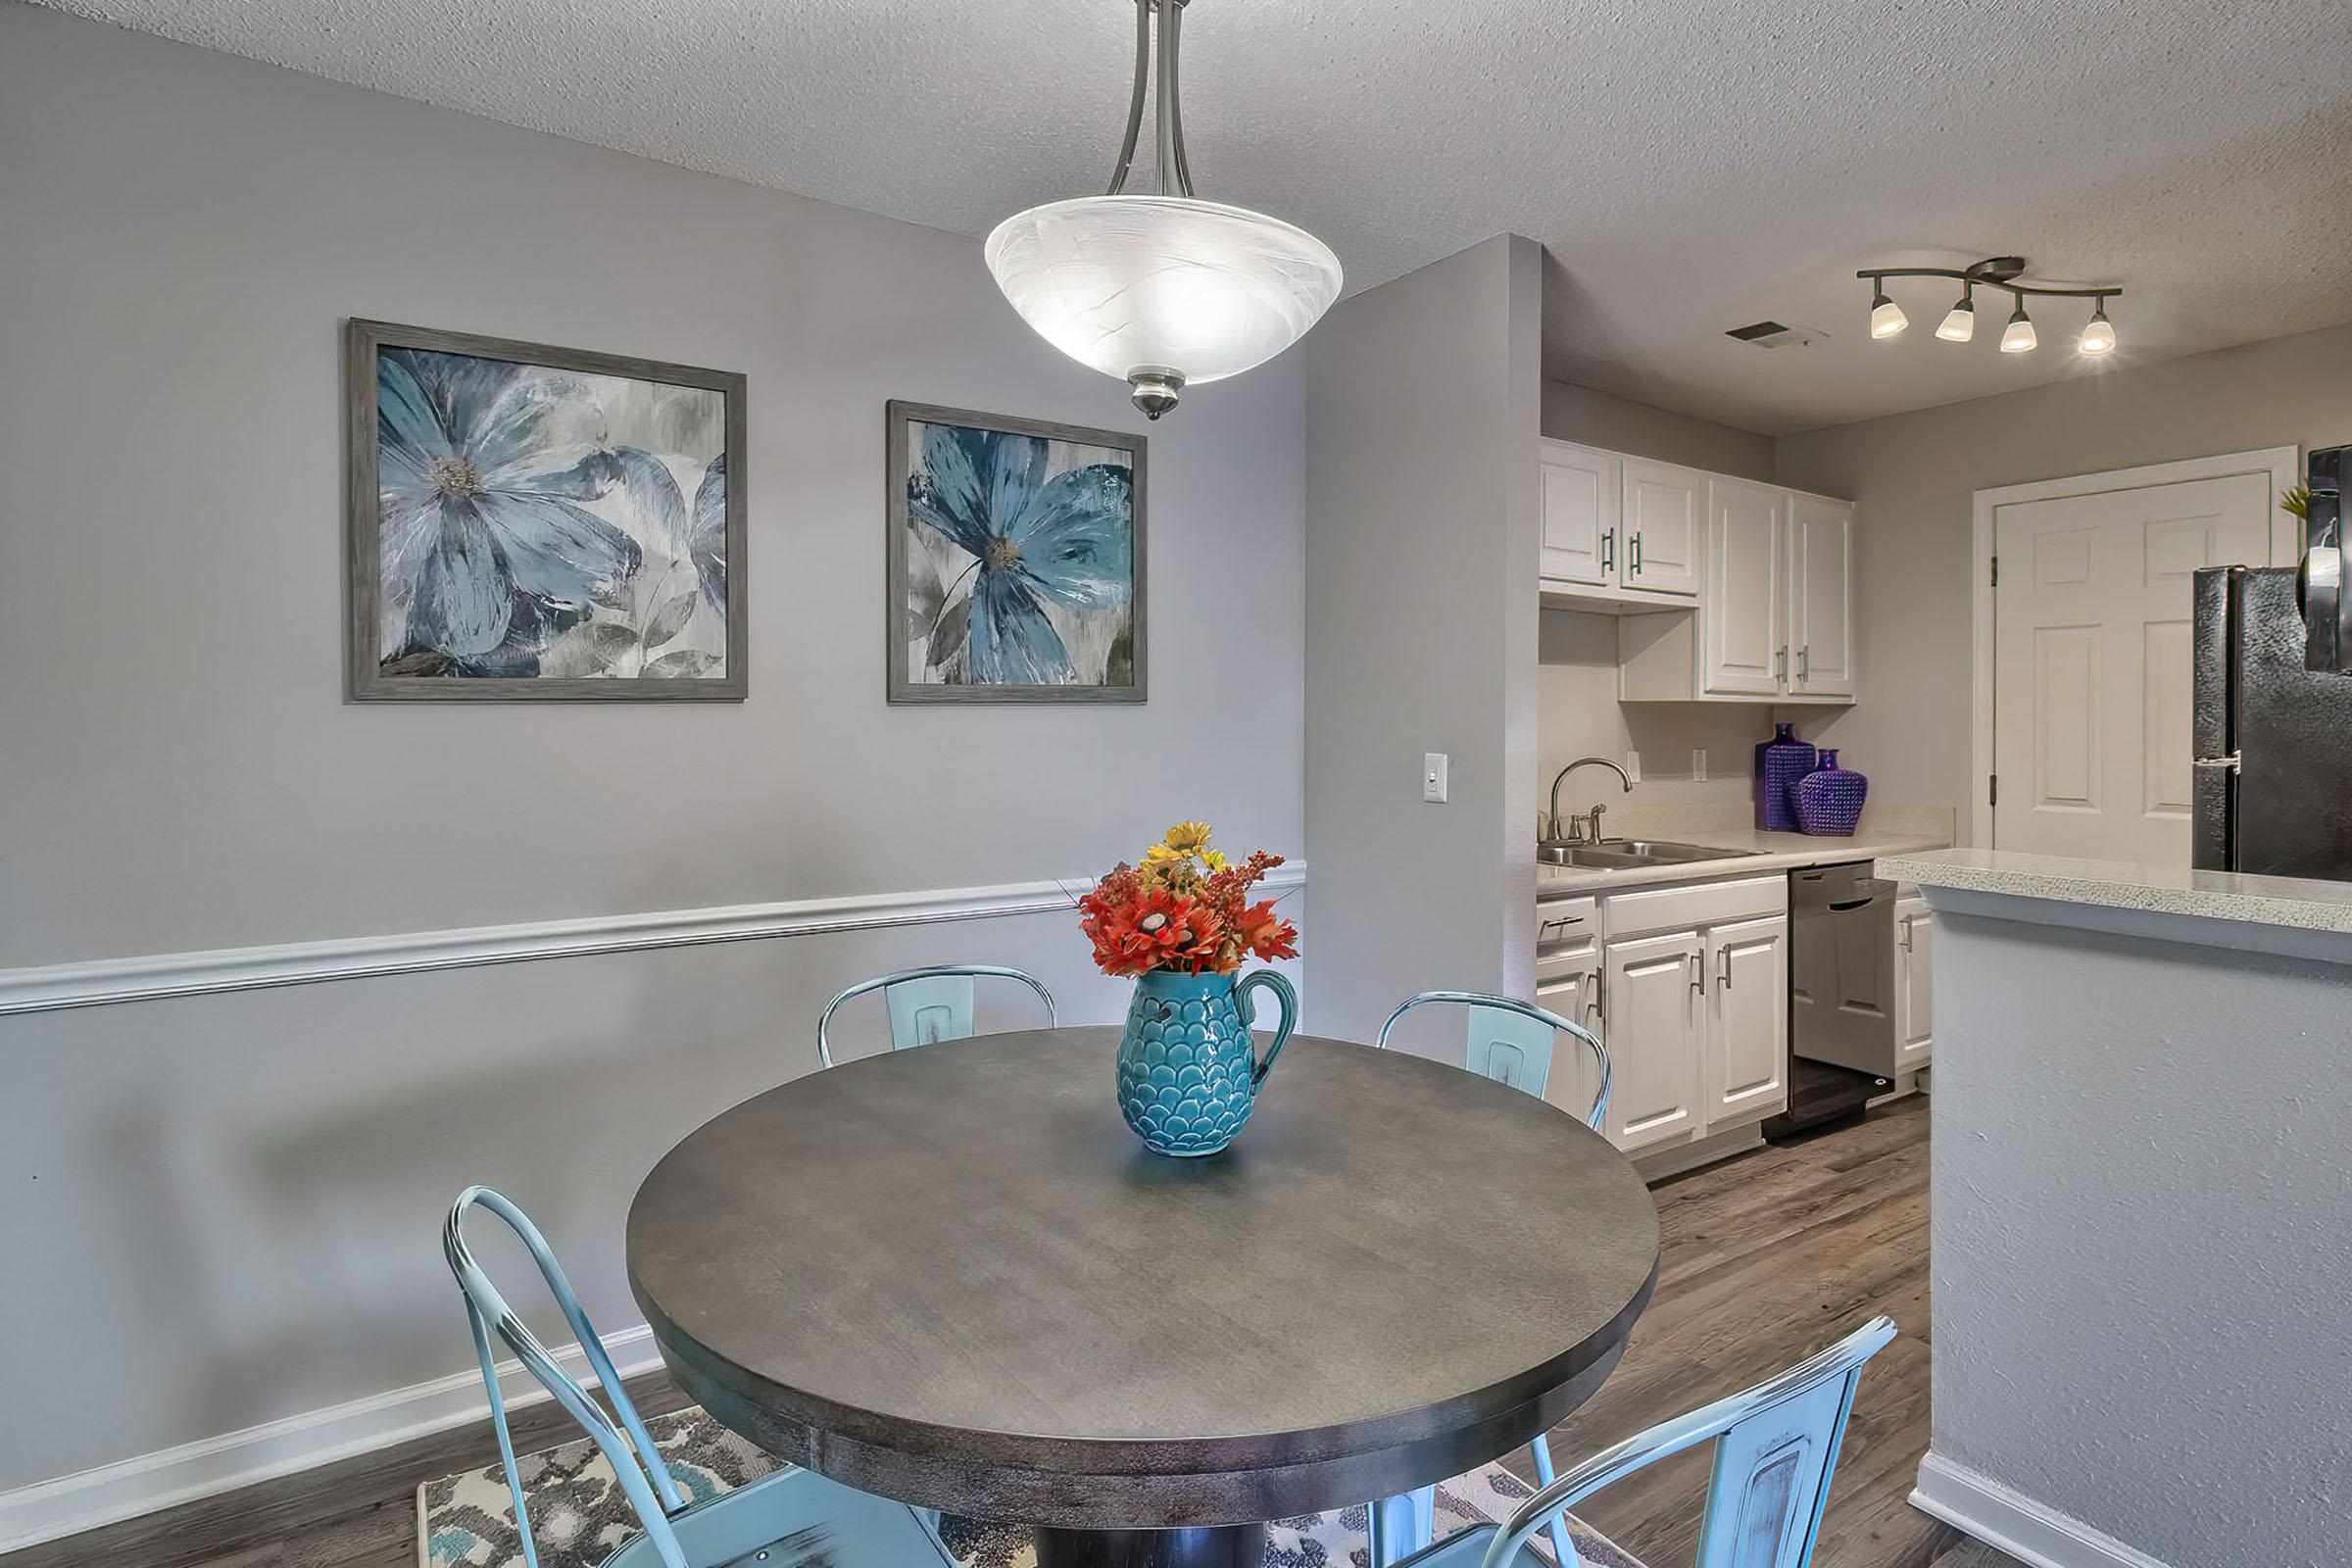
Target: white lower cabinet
(1914, 982)
(1693, 1006)
(1655, 1020)
(1746, 1050)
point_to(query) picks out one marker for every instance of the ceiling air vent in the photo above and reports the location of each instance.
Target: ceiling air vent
(1775, 335)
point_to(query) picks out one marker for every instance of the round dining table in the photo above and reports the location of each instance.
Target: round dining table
(952, 1276)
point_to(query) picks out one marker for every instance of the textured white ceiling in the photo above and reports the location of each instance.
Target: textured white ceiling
(1692, 165)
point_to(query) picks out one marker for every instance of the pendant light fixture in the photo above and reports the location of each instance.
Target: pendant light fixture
(1166, 290)
(1999, 271)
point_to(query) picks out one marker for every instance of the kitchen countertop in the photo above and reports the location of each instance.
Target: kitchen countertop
(1771, 853)
(2295, 902)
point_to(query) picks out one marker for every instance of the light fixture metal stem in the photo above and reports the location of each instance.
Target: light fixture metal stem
(1173, 180)
(1135, 103)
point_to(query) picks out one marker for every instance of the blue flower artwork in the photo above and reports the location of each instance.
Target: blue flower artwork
(1017, 559)
(542, 529)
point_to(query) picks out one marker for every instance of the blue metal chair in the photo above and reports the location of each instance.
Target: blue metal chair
(1510, 1042)
(927, 1005)
(791, 1505)
(1776, 1446)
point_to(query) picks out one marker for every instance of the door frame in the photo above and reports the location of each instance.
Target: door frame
(2284, 465)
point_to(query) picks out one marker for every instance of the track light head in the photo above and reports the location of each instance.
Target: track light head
(2099, 336)
(1885, 316)
(2018, 337)
(1960, 322)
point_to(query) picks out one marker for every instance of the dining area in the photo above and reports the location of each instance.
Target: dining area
(1190, 1291)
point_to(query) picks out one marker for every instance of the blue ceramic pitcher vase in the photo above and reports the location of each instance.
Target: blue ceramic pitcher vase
(1189, 1071)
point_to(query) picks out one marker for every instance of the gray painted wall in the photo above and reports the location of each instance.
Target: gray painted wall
(1573, 413)
(1423, 400)
(1915, 476)
(2141, 1236)
(227, 1206)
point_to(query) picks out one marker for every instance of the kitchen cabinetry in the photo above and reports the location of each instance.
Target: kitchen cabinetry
(1656, 1022)
(1568, 983)
(1742, 644)
(1688, 987)
(1618, 533)
(1745, 1059)
(1914, 982)
(1775, 618)
(1663, 508)
(1580, 497)
(1819, 641)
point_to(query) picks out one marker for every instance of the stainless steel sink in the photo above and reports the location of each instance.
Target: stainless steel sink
(1618, 854)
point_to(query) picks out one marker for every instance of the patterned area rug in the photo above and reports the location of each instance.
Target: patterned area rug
(580, 1515)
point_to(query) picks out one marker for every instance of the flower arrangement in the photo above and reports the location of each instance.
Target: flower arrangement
(1184, 909)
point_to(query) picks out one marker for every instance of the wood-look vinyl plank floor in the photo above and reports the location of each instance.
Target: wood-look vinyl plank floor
(1766, 1258)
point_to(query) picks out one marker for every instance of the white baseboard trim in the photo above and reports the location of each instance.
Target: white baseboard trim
(2033, 1533)
(152, 1482)
(48, 988)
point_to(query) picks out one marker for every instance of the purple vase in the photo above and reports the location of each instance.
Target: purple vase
(1829, 799)
(1780, 763)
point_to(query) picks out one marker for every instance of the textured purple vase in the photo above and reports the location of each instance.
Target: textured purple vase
(1780, 763)
(1829, 799)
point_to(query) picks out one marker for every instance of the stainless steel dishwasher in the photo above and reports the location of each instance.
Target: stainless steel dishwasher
(1842, 967)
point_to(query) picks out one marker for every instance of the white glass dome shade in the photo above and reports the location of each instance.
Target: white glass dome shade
(1152, 289)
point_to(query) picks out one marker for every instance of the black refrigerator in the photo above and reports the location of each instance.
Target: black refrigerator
(2272, 785)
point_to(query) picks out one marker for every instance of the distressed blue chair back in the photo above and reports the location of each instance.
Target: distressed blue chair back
(926, 1006)
(1776, 1449)
(626, 1446)
(791, 1515)
(1511, 1041)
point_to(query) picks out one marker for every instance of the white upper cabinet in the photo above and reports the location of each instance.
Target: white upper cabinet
(1663, 515)
(1579, 489)
(1741, 645)
(1821, 597)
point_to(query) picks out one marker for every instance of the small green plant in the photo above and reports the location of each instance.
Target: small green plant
(2296, 502)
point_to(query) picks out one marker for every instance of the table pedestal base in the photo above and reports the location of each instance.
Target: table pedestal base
(1208, 1547)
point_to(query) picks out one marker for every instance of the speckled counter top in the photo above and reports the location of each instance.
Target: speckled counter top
(2271, 901)
(1895, 832)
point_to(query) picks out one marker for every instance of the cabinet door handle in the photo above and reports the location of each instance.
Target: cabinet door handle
(1724, 979)
(1608, 549)
(1780, 663)
(1633, 546)
(1593, 998)
(1804, 663)
(1905, 925)
(1698, 974)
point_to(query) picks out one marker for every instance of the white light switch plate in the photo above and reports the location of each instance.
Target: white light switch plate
(1699, 764)
(1434, 766)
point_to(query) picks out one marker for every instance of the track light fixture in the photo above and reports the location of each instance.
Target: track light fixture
(1959, 324)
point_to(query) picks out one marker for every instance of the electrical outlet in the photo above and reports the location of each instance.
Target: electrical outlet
(1633, 767)
(1699, 764)
(1434, 765)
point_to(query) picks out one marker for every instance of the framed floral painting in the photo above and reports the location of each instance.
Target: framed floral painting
(1016, 560)
(533, 523)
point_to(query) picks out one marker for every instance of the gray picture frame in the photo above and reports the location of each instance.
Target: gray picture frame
(365, 680)
(904, 689)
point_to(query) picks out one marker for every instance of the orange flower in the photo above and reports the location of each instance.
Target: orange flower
(1267, 934)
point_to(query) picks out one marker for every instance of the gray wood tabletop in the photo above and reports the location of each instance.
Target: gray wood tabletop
(952, 1276)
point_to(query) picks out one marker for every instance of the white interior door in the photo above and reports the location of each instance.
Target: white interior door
(2091, 674)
